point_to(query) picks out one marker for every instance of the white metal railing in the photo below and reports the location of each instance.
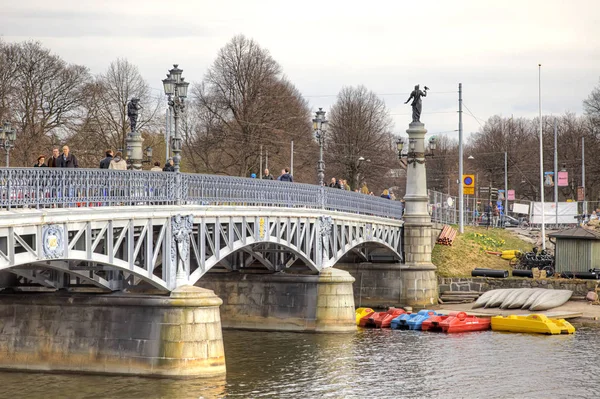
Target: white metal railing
(50, 187)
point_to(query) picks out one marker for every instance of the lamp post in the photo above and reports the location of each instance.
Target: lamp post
(412, 157)
(359, 164)
(320, 128)
(176, 91)
(8, 136)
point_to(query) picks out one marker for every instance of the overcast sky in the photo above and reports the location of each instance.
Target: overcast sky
(493, 48)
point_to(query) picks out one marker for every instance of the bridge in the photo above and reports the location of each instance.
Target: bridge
(139, 271)
(119, 230)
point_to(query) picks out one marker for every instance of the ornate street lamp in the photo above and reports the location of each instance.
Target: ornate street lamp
(176, 91)
(411, 155)
(8, 136)
(320, 128)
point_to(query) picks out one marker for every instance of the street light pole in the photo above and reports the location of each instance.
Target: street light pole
(8, 136)
(176, 91)
(541, 159)
(320, 128)
(461, 204)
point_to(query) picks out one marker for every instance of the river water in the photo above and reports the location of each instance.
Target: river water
(366, 364)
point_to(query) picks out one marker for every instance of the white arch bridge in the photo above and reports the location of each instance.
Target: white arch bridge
(120, 229)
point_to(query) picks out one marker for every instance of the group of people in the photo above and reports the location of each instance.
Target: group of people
(117, 162)
(284, 176)
(57, 160)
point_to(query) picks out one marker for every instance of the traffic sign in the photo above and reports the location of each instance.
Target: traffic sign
(468, 182)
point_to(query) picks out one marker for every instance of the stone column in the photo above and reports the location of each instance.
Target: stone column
(419, 279)
(335, 302)
(134, 141)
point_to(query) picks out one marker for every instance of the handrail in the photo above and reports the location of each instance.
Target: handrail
(51, 187)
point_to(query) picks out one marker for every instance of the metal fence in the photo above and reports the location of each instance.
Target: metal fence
(49, 187)
(446, 211)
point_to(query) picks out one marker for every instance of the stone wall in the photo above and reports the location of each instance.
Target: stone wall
(482, 284)
(285, 302)
(377, 285)
(177, 336)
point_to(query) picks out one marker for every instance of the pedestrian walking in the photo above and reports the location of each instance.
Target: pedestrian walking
(156, 167)
(118, 163)
(54, 162)
(41, 162)
(267, 175)
(67, 159)
(334, 183)
(286, 176)
(104, 164)
(169, 166)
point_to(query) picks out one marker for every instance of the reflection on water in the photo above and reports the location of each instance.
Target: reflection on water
(370, 363)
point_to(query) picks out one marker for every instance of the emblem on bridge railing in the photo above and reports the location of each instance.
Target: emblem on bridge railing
(53, 241)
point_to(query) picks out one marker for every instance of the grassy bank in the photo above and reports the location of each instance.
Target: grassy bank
(468, 251)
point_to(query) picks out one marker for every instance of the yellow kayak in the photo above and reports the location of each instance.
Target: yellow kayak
(362, 312)
(533, 323)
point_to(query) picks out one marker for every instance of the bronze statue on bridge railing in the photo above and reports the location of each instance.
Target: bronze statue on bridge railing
(417, 106)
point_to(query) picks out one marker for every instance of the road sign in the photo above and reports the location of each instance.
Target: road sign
(468, 182)
(563, 179)
(511, 195)
(580, 193)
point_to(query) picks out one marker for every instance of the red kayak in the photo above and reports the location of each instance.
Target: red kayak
(380, 319)
(462, 322)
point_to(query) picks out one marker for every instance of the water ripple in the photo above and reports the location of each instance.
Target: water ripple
(367, 364)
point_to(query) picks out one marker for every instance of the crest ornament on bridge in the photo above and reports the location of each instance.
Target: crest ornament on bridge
(326, 223)
(181, 228)
(369, 231)
(53, 241)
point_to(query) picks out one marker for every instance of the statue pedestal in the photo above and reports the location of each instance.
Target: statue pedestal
(134, 142)
(419, 279)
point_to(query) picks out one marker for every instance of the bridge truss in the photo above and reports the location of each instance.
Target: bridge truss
(166, 246)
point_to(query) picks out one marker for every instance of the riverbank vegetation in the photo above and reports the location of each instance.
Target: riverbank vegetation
(468, 251)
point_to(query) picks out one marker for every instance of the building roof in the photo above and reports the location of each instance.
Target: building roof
(577, 233)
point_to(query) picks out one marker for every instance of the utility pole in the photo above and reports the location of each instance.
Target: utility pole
(505, 185)
(260, 167)
(461, 205)
(583, 174)
(541, 158)
(556, 172)
(292, 159)
(267, 160)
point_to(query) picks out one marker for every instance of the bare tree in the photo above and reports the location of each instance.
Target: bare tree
(103, 121)
(242, 103)
(591, 105)
(359, 126)
(44, 98)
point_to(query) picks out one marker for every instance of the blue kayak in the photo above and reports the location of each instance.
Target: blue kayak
(411, 321)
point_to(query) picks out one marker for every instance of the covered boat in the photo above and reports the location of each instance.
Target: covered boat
(362, 312)
(533, 323)
(380, 319)
(462, 322)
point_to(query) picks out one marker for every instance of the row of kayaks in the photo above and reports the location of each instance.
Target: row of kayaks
(457, 322)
